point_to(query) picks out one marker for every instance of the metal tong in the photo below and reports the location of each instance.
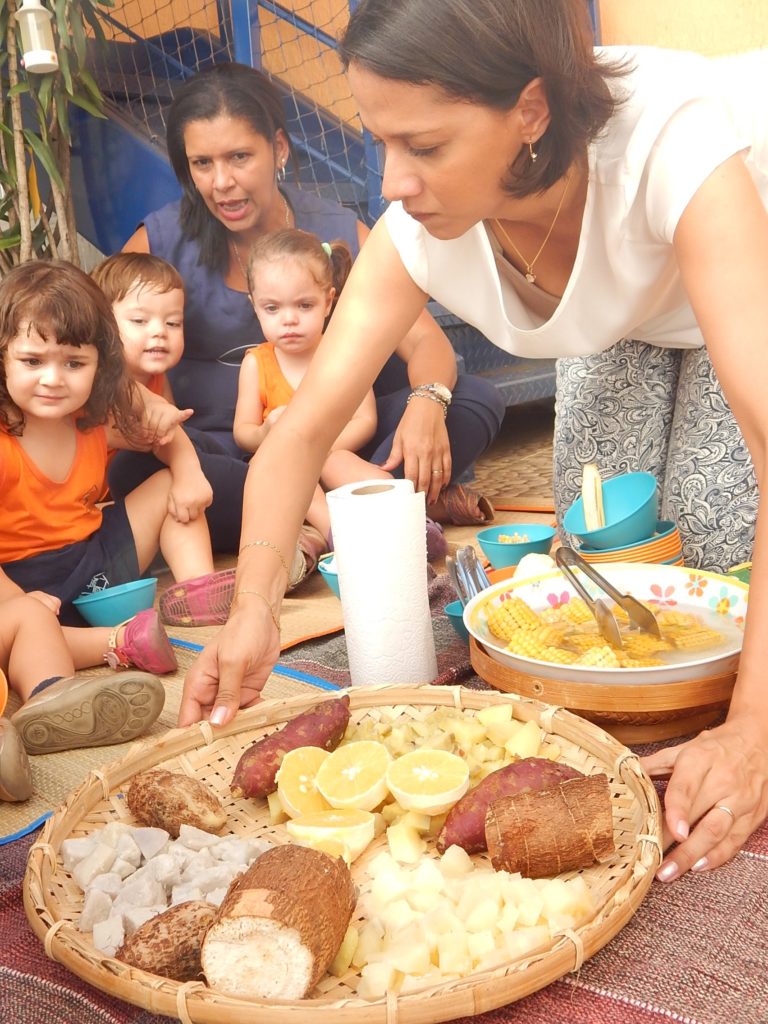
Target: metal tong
(639, 616)
(468, 576)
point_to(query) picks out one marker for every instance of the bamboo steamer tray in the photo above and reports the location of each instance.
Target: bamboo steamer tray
(632, 713)
(53, 901)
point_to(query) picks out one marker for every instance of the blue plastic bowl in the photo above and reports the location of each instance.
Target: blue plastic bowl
(329, 574)
(502, 554)
(631, 505)
(114, 605)
(455, 613)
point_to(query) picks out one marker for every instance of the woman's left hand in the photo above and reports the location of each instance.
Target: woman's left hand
(421, 444)
(717, 795)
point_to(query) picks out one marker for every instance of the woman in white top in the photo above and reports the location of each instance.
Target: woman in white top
(559, 200)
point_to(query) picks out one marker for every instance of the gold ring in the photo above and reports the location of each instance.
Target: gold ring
(437, 472)
(723, 807)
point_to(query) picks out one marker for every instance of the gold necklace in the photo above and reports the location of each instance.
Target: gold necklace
(236, 251)
(530, 277)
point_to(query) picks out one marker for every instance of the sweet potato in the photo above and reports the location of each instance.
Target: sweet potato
(171, 799)
(169, 944)
(465, 824)
(322, 726)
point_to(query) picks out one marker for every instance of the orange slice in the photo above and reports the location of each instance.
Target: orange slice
(296, 781)
(355, 775)
(353, 829)
(430, 781)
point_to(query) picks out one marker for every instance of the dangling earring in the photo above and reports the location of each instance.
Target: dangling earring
(280, 173)
(532, 152)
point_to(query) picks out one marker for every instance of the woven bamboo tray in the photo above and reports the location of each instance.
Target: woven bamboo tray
(633, 713)
(53, 901)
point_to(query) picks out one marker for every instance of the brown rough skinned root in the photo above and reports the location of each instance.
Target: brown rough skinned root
(280, 925)
(561, 829)
(465, 824)
(170, 799)
(322, 726)
(169, 944)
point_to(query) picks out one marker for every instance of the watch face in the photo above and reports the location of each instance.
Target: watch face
(443, 391)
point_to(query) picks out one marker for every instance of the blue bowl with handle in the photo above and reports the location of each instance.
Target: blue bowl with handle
(327, 569)
(630, 504)
(113, 605)
(455, 614)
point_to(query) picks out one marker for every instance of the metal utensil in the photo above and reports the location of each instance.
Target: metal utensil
(639, 616)
(467, 557)
(457, 579)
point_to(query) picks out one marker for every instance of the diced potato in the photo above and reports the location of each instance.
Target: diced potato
(277, 813)
(480, 944)
(507, 919)
(456, 862)
(369, 943)
(390, 812)
(525, 940)
(494, 714)
(405, 844)
(408, 951)
(343, 959)
(501, 733)
(525, 742)
(424, 900)
(376, 980)
(388, 884)
(399, 914)
(440, 921)
(414, 819)
(551, 751)
(467, 732)
(483, 916)
(453, 953)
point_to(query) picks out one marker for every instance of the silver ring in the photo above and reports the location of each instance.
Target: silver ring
(723, 807)
(437, 472)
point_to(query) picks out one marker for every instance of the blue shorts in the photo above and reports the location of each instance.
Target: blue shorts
(104, 559)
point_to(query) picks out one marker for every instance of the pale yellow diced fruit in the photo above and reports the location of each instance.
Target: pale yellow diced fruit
(551, 751)
(437, 741)
(456, 862)
(483, 915)
(529, 909)
(399, 914)
(487, 767)
(391, 811)
(566, 899)
(453, 954)
(343, 959)
(418, 982)
(408, 951)
(424, 900)
(277, 813)
(495, 713)
(439, 921)
(399, 740)
(524, 941)
(467, 732)
(526, 742)
(376, 980)
(507, 920)
(420, 728)
(417, 820)
(369, 943)
(428, 875)
(501, 733)
(387, 886)
(405, 844)
(480, 944)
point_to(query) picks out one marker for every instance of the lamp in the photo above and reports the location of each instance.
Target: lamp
(37, 37)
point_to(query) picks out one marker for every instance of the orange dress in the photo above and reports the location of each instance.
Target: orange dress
(39, 514)
(274, 389)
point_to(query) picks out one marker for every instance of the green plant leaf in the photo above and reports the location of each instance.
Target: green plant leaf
(90, 84)
(45, 156)
(78, 35)
(88, 105)
(60, 10)
(10, 241)
(45, 91)
(65, 69)
(95, 22)
(17, 89)
(62, 113)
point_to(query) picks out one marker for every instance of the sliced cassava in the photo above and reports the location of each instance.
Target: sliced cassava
(171, 799)
(280, 925)
(169, 944)
(541, 834)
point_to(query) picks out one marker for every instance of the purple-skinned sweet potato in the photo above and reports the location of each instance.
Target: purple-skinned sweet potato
(465, 824)
(322, 726)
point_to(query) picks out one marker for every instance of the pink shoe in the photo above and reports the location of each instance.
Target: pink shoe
(204, 601)
(145, 645)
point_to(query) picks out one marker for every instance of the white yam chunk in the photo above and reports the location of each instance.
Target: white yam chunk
(109, 935)
(144, 891)
(185, 892)
(99, 860)
(110, 882)
(165, 868)
(75, 850)
(214, 878)
(135, 917)
(196, 864)
(232, 850)
(256, 847)
(151, 841)
(111, 833)
(196, 839)
(124, 868)
(96, 908)
(128, 850)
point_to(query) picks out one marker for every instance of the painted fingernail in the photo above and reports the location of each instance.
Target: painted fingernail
(667, 872)
(701, 864)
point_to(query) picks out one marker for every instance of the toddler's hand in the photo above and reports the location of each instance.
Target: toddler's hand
(188, 497)
(161, 420)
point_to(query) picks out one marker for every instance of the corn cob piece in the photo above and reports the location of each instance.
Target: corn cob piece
(625, 662)
(668, 617)
(576, 611)
(584, 641)
(592, 497)
(695, 639)
(510, 615)
(529, 645)
(641, 645)
(599, 657)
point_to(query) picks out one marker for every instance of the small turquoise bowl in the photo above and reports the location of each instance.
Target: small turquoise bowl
(455, 613)
(328, 572)
(502, 554)
(113, 605)
(630, 504)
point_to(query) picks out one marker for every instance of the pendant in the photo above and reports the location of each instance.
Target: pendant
(530, 277)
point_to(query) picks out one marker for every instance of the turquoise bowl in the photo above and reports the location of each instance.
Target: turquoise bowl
(502, 554)
(455, 613)
(328, 572)
(113, 605)
(630, 504)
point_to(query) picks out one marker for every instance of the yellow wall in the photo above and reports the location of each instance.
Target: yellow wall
(708, 26)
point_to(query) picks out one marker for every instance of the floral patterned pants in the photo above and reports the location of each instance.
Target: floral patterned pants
(638, 407)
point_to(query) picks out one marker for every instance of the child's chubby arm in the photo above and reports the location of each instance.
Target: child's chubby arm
(190, 493)
(360, 428)
(250, 428)
(159, 416)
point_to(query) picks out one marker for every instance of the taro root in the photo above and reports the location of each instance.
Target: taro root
(169, 944)
(171, 799)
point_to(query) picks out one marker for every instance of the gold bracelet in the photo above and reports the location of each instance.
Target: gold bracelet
(256, 593)
(428, 394)
(273, 547)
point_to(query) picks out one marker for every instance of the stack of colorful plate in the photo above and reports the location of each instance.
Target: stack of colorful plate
(664, 547)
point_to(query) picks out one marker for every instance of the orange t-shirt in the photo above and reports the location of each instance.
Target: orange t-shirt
(39, 514)
(274, 389)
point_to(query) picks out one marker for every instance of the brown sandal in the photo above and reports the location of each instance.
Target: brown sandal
(459, 506)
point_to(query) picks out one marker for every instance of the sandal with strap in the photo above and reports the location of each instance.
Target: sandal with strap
(460, 506)
(145, 645)
(203, 601)
(311, 546)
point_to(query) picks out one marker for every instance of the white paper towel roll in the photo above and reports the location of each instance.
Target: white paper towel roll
(379, 536)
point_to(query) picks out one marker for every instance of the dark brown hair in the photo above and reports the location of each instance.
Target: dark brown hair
(486, 52)
(62, 302)
(329, 269)
(119, 274)
(238, 91)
